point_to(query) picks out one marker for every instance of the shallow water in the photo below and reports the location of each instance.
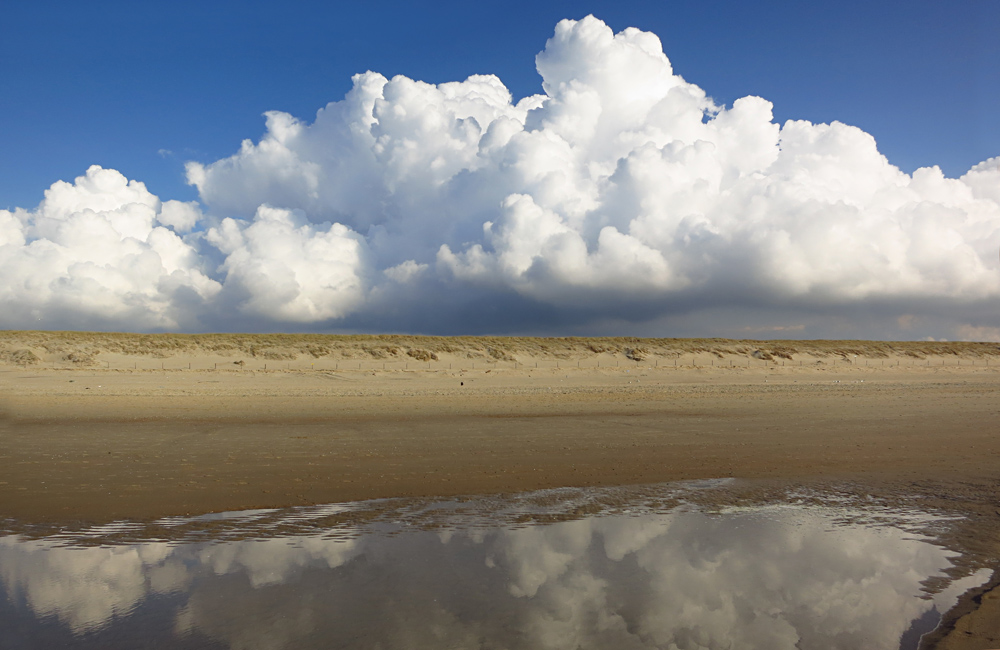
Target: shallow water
(656, 567)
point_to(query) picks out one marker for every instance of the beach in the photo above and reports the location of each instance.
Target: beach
(197, 431)
(126, 435)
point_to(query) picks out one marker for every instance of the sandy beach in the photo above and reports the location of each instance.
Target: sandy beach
(91, 432)
(173, 430)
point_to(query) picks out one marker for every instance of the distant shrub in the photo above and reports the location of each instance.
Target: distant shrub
(782, 353)
(79, 358)
(636, 354)
(317, 351)
(421, 354)
(380, 352)
(20, 357)
(499, 354)
(277, 355)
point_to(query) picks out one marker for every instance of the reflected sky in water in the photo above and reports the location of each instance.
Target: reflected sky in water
(460, 575)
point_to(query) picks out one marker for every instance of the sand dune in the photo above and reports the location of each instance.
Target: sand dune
(370, 352)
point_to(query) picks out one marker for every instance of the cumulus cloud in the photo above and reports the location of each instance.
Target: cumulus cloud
(623, 194)
(92, 253)
(283, 267)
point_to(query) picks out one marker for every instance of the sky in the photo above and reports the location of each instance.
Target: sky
(776, 169)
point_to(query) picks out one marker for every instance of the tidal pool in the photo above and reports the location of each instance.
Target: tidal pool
(673, 566)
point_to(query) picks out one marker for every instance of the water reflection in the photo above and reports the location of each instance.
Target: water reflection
(441, 575)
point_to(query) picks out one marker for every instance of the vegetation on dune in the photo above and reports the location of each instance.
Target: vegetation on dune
(82, 348)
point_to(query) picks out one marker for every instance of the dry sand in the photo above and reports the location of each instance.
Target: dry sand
(95, 427)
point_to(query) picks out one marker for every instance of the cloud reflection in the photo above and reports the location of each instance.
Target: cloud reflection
(776, 577)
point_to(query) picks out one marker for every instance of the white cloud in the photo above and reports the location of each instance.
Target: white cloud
(281, 267)
(622, 192)
(180, 216)
(92, 253)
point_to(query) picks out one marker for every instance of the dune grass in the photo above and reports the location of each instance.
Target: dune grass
(82, 348)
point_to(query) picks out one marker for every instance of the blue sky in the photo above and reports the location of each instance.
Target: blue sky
(117, 83)
(720, 170)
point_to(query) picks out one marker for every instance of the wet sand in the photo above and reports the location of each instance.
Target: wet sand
(99, 445)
